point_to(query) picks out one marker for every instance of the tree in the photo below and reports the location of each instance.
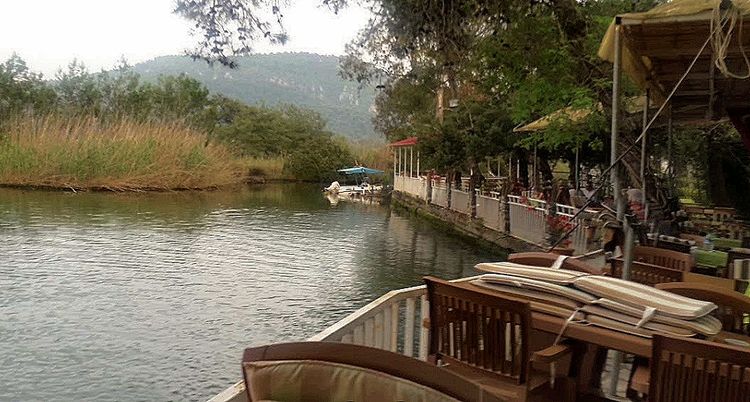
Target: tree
(22, 90)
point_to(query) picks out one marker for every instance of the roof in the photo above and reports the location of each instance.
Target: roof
(632, 105)
(658, 46)
(360, 170)
(408, 142)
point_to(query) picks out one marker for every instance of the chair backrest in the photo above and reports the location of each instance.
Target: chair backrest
(357, 357)
(691, 370)
(732, 306)
(741, 269)
(647, 274)
(663, 257)
(735, 254)
(479, 328)
(547, 259)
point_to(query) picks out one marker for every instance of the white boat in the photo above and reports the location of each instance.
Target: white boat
(363, 188)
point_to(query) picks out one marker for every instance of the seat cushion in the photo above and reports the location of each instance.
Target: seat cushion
(558, 276)
(539, 285)
(638, 295)
(311, 380)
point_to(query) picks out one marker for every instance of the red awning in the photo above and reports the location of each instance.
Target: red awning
(408, 142)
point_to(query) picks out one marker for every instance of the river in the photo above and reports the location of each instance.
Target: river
(153, 297)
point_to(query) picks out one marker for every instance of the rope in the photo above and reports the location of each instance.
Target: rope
(720, 40)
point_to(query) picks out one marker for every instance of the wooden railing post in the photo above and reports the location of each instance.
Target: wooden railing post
(473, 201)
(428, 189)
(504, 214)
(450, 186)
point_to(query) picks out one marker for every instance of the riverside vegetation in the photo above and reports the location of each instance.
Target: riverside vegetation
(115, 131)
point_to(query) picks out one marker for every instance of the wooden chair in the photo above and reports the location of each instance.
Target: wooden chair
(735, 254)
(663, 257)
(647, 274)
(691, 370)
(485, 337)
(547, 259)
(317, 371)
(733, 308)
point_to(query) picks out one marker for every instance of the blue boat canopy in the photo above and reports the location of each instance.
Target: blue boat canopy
(360, 170)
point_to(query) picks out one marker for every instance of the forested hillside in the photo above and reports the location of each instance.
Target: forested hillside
(302, 79)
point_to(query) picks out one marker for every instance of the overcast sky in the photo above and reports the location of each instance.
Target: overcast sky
(50, 33)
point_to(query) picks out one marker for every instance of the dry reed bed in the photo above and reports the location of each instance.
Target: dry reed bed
(84, 153)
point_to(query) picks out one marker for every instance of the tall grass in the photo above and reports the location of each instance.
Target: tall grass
(84, 153)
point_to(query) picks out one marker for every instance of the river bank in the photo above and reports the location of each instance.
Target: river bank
(90, 154)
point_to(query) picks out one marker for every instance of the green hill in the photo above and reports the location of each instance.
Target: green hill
(303, 79)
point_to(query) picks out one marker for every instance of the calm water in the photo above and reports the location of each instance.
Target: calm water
(153, 297)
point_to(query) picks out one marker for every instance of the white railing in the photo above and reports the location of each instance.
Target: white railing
(528, 221)
(440, 195)
(527, 216)
(397, 321)
(460, 201)
(488, 209)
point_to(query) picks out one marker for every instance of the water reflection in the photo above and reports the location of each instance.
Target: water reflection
(153, 296)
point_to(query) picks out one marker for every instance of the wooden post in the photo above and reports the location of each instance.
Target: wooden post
(428, 196)
(395, 172)
(411, 161)
(644, 160)
(614, 173)
(418, 163)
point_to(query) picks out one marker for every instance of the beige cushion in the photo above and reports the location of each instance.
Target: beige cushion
(706, 325)
(558, 276)
(593, 311)
(538, 285)
(638, 295)
(311, 380)
(538, 301)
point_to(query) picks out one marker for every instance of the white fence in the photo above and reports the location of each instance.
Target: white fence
(488, 209)
(414, 186)
(440, 195)
(528, 221)
(526, 217)
(460, 201)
